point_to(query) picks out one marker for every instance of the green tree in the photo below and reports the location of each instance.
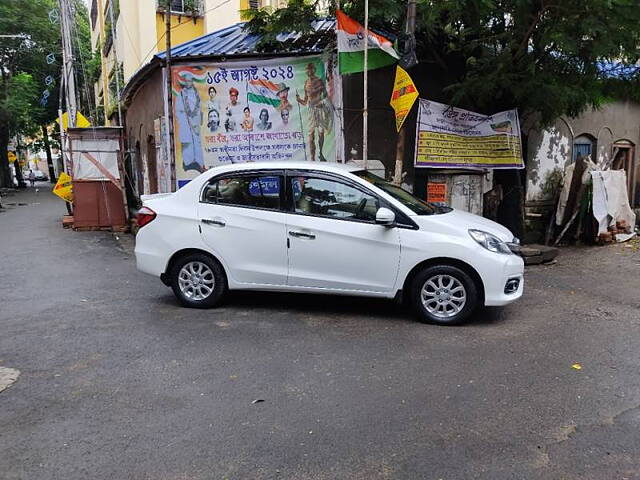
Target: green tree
(32, 33)
(548, 57)
(29, 36)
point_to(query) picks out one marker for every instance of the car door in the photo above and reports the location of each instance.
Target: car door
(241, 220)
(334, 242)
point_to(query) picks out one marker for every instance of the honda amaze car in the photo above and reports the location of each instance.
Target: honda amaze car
(323, 228)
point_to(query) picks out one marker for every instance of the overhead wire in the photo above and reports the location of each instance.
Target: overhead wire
(155, 46)
(85, 87)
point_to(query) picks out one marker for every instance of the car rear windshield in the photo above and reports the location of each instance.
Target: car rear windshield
(416, 205)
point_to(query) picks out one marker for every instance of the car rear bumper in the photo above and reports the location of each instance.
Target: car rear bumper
(149, 263)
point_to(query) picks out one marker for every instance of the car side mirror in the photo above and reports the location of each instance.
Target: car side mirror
(384, 216)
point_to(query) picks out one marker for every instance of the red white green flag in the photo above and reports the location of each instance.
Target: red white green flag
(263, 91)
(351, 37)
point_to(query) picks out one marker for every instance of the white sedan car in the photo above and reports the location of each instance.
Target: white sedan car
(324, 228)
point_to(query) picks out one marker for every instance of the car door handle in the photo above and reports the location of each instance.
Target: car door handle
(214, 221)
(309, 236)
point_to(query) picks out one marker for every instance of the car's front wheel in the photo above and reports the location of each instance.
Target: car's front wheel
(198, 281)
(444, 294)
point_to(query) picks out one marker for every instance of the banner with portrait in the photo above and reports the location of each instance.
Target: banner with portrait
(255, 111)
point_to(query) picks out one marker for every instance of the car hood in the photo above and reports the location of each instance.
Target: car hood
(461, 222)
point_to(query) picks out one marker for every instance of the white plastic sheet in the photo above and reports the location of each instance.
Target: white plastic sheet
(611, 199)
(104, 151)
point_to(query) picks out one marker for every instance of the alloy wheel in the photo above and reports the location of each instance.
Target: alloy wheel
(196, 280)
(443, 296)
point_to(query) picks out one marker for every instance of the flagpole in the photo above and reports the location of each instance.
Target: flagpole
(365, 100)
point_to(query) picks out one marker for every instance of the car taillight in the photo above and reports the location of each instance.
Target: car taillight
(145, 215)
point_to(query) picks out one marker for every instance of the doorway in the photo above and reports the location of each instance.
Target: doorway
(624, 159)
(152, 165)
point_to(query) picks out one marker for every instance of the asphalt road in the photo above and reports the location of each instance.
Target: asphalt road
(119, 382)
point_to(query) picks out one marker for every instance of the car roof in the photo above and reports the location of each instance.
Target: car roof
(281, 165)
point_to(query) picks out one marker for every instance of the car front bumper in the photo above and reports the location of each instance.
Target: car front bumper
(497, 292)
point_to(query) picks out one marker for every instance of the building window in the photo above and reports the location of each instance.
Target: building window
(256, 4)
(182, 7)
(583, 145)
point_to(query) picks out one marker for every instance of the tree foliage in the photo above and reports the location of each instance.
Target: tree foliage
(31, 41)
(551, 57)
(269, 23)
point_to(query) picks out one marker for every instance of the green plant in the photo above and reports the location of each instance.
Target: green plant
(192, 7)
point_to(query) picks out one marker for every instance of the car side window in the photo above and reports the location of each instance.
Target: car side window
(210, 192)
(331, 198)
(245, 191)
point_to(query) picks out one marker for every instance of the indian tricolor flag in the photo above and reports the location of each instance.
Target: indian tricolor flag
(263, 91)
(181, 75)
(351, 47)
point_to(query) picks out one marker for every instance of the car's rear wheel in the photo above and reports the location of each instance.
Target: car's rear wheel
(198, 281)
(444, 294)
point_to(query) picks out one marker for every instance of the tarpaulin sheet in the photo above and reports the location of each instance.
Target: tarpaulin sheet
(102, 151)
(611, 199)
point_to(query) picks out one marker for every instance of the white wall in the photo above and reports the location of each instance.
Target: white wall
(221, 17)
(548, 150)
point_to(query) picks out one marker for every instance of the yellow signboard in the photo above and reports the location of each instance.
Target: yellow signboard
(403, 97)
(81, 121)
(450, 137)
(12, 157)
(64, 188)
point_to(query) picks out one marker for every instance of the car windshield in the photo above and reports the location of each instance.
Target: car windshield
(416, 205)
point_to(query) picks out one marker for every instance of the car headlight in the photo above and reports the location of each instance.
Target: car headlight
(489, 241)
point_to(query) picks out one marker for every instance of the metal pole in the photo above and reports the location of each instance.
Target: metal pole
(67, 62)
(63, 86)
(365, 100)
(115, 60)
(172, 161)
(410, 29)
(64, 162)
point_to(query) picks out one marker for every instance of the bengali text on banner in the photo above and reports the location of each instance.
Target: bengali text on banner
(449, 137)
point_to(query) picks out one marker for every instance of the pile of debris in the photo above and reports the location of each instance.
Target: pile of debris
(592, 205)
(620, 232)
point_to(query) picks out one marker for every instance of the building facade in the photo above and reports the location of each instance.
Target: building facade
(126, 34)
(607, 136)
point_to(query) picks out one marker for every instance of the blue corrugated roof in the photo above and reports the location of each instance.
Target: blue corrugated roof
(234, 40)
(618, 70)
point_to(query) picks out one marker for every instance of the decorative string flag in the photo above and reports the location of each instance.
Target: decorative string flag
(351, 38)
(54, 15)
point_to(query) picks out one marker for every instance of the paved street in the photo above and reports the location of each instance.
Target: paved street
(117, 381)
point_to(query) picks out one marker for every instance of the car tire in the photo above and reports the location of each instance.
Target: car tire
(198, 281)
(444, 295)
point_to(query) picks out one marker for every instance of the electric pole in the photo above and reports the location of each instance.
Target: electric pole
(170, 150)
(408, 60)
(67, 62)
(116, 69)
(365, 87)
